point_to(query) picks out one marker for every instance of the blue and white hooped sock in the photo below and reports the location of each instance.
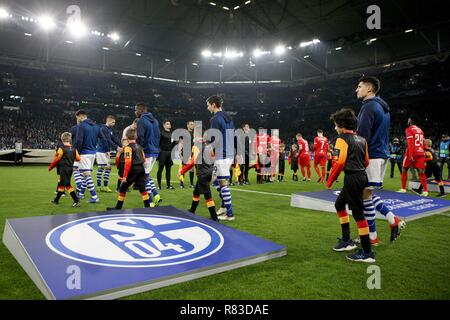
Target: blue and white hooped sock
(226, 196)
(106, 176)
(99, 175)
(383, 209)
(91, 187)
(369, 213)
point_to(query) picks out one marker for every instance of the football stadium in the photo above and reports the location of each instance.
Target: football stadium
(224, 150)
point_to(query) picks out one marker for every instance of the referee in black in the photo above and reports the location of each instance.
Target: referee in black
(166, 145)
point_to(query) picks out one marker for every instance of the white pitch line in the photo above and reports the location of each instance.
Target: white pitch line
(261, 192)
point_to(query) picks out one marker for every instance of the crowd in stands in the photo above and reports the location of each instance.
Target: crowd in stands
(37, 105)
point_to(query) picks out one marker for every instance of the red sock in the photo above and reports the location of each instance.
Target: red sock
(423, 180)
(404, 178)
(308, 170)
(323, 172)
(303, 171)
(318, 171)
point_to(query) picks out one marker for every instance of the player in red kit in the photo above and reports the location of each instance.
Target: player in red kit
(305, 158)
(320, 154)
(262, 159)
(415, 154)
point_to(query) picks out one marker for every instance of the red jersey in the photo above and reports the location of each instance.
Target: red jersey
(262, 143)
(303, 147)
(414, 142)
(275, 143)
(320, 146)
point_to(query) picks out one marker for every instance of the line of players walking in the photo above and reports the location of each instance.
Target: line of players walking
(361, 151)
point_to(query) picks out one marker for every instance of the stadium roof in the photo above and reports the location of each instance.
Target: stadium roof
(165, 38)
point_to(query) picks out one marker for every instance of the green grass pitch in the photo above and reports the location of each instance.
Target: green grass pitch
(416, 266)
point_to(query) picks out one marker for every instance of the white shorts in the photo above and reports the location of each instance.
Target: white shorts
(103, 159)
(87, 162)
(76, 165)
(375, 173)
(222, 169)
(148, 165)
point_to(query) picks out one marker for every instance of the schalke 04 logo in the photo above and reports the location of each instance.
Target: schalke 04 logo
(133, 241)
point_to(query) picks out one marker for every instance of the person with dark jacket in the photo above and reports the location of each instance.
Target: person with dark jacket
(166, 145)
(88, 136)
(396, 158)
(374, 122)
(148, 136)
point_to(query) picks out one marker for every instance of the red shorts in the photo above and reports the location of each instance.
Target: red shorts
(321, 160)
(305, 161)
(418, 162)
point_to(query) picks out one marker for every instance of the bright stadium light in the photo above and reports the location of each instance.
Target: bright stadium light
(409, 30)
(206, 53)
(309, 43)
(27, 34)
(4, 13)
(280, 50)
(213, 4)
(218, 54)
(257, 53)
(47, 23)
(77, 29)
(114, 36)
(231, 54)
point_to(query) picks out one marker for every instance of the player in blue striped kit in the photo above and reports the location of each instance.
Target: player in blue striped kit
(224, 156)
(148, 138)
(88, 135)
(79, 180)
(103, 156)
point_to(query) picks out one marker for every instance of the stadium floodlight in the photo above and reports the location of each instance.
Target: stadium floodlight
(115, 36)
(248, 2)
(231, 54)
(306, 57)
(218, 54)
(47, 23)
(373, 39)
(237, 7)
(282, 61)
(226, 8)
(77, 29)
(409, 30)
(309, 43)
(257, 53)
(338, 48)
(4, 13)
(167, 60)
(27, 34)
(105, 48)
(138, 54)
(195, 64)
(206, 53)
(69, 42)
(290, 48)
(213, 4)
(280, 50)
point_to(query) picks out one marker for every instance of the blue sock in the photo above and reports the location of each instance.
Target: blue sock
(383, 209)
(369, 213)
(99, 176)
(226, 196)
(91, 187)
(106, 176)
